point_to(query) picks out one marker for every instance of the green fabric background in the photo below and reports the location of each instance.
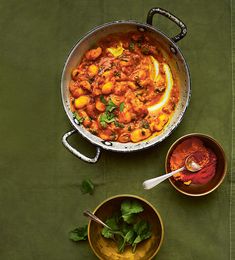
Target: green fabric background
(40, 199)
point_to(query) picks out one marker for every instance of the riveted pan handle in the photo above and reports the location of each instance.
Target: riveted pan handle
(76, 152)
(158, 10)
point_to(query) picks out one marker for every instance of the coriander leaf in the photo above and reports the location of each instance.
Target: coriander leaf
(112, 223)
(117, 124)
(121, 107)
(145, 50)
(78, 118)
(142, 229)
(137, 240)
(145, 124)
(121, 244)
(132, 46)
(117, 74)
(78, 234)
(130, 236)
(129, 209)
(106, 117)
(111, 106)
(103, 100)
(87, 187)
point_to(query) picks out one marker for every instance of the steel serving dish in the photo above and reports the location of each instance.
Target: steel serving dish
(177, 64)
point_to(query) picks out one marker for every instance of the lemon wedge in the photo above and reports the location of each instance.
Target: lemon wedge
(154, 68)
(169, 82)
(116, 51)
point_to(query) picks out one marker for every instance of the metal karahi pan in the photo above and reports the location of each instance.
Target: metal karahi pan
(177, 64)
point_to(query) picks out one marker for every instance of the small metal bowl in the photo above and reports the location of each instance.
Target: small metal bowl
(106, 249)
(221, 168)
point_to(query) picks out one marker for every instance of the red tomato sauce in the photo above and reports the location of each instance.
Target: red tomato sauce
(204, 156)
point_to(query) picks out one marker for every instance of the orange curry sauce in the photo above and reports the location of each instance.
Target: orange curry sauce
(117, 85)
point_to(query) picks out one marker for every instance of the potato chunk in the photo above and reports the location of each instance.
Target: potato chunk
(140, 134)
(93, 53)
(81, 102)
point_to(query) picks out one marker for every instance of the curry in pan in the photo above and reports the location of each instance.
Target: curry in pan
(123, 89)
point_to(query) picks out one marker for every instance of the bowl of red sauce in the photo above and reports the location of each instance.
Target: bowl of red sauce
(208, 153)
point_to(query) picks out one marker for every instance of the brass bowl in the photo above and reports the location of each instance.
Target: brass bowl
(221, 168)
(106, 249)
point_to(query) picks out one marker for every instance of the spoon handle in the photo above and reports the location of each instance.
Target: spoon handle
(93, 217)
(149, 184)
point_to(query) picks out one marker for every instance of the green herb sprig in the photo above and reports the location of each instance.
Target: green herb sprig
(127, 228)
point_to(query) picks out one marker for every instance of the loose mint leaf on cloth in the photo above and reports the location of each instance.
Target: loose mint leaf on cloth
(78, 234)
(87, 187)
(129, 209)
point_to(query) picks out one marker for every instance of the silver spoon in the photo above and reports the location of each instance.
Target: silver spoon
(93, 217)
(189, 165)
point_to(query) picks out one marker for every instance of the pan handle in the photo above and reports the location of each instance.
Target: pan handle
(76, 152)
(158, 10)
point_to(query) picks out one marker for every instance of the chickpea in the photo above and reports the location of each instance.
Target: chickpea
(94, 126)
(100, 106)
(78, 92)
(117, 100)
(93, 53)
(107, 88)
(87, 122)
(104, 136)
(125, 63)
(91, 111)
(124, 138)
(132, 85)
(141, 74)
(85, 85)
(107, 74)
(92, 70)
(81, 102)
(162, 120)
(127, 117)
(120, 88)
(140, 134)
(75, 74)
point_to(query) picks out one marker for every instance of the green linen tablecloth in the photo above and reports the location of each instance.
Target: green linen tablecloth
(40, 199)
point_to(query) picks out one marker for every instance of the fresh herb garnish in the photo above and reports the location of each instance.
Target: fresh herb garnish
(106, 118)
(129, 209)
(91, 80)
(113, 224)
(132, 46)
(103, 100)
(121, 107)
(142, 229)
(145, 124)
(123, 232)
(145, 50)
(78, 118)
(117, 74)
(87, 186)
(117, 124)
(78, 234)
(111, 106)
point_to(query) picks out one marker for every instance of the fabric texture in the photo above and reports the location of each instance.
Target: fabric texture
(40, 199)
